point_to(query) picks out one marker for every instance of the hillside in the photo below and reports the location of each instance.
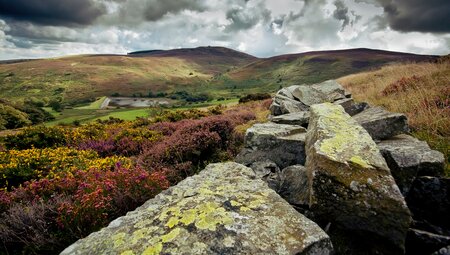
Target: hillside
(317, 66)
(419, 90)
(219, 71)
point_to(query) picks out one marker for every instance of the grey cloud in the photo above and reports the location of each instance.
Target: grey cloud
(418, 15)
(246, 18)
(53, 12)
(341, 13)
(157, 9)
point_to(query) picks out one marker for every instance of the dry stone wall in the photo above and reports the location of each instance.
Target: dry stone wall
(327, 175)
(361, 166)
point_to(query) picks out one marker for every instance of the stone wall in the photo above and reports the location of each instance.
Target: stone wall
(326, 175)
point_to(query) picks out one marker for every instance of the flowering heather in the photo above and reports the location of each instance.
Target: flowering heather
(58, 184)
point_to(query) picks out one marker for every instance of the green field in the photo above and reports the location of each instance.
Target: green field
(92, 112)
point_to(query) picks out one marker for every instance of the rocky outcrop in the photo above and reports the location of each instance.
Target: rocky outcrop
(382, 124)
(350, 182)
(408, 158)
(297, 98)
(223, 210)
(280, 143)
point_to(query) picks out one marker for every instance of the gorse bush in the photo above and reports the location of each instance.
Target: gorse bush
(58, 184)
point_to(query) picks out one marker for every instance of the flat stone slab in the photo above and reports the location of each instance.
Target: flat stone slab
(351, 185)
(408, 157)
(382, 124)
(223, 210)
(280, 143)
(294, 185)
(296, 118)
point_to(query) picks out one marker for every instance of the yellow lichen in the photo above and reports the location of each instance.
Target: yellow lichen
(170, 236)
(128, 252)
(153, 250)
(172, 222)
(359, 161)
(118, 239)
(188, 217)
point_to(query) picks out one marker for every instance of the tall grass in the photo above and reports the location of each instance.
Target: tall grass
(420, 90)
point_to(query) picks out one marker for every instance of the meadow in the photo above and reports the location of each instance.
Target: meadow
(420, 90)
(60, 183)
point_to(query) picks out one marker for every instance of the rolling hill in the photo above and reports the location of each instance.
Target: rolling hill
(219, 71)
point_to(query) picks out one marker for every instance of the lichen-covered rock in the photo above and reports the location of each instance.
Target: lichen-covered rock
(382, 124)
(331, 90)
(429, 201)
(223, 210)
(407, 158)
(280, 143)
(308, 95)
(283, 105)
(296, 118)
(294, 186)
(350, 183)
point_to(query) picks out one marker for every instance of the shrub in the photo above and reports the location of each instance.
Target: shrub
(254, 97)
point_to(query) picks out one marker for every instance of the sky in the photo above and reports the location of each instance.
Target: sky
(264, 28)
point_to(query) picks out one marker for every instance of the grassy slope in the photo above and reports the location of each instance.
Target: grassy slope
(311, 67)
(423, 95)
(218, 71)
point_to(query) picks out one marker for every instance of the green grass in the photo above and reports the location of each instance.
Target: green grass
(94, 105)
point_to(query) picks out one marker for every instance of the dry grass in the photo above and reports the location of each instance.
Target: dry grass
(420, 90)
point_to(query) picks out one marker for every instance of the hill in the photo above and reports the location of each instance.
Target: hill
(420, 90)
(218, 71)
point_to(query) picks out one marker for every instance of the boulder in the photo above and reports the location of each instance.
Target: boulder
(308, 95)
(223, 210)
(408, 157)
(422, 242)
(356, 108)
(350, 182)
(294, 186)
(280, 143)
(331, 90)
(296, 118)
(429, 200)
(382, 124)
(286, 92)
(346, 103)
(283, 105)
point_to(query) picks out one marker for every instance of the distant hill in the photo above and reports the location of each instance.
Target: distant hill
(218, 71)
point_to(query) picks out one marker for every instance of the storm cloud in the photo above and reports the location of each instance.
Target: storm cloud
(48, 28)
(418, 15)
(53, 12)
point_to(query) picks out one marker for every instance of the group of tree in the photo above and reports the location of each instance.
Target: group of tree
(17, 115)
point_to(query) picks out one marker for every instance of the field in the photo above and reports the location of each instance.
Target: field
(420, 90)
(59, 184)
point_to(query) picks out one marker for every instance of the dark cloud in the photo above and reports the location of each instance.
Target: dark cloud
(53, 12)
(156, 9)
(341, 13)
(418, 15)
(246, 18)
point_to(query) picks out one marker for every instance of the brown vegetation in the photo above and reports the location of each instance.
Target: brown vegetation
(420, 90)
